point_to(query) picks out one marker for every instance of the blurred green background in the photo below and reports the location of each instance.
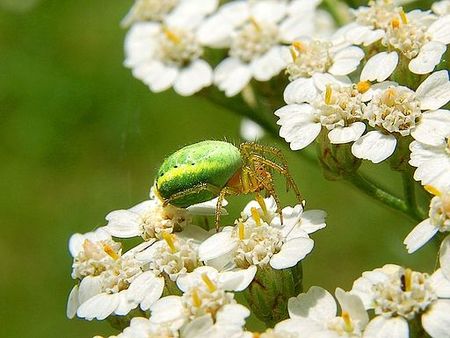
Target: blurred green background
(79, 137)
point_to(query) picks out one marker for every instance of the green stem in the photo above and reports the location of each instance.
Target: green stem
(371, 189)
(409, 193)
(335, 8)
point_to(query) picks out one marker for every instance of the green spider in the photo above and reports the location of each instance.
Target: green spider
(208, 169)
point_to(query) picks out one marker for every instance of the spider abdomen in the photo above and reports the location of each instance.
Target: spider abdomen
(206, 162)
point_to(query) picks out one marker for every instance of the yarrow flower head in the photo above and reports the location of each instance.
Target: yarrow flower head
(175, 254)
(254, 32)
(399, 295)
(419, 37)
(205, 292)
(151, 219)
(259, 238)
(168, 53)
(314, 313)
(438, 221)
(109, 281)
(397, 111)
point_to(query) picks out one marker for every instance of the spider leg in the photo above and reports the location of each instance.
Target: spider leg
(193, 190)
(250, 148)
(225, 191)
(268, 186)
(283, 171)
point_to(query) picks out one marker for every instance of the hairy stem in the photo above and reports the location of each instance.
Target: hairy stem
(372, 189)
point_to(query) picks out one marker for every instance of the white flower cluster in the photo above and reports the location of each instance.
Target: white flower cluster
(169, 39)
(178, 255)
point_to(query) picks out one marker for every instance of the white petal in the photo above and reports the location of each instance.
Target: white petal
(300, 90)
(420, 235)
(72, 303)
(434, 92)
(145, 289)
(99, 307)
(167, 309)
(346, 61)
(308, 328)
(156, 75)
(429, 56)
(379, 67)
(217, 245)
(291, 253)
(298, 125)
(444, 257)
(436, 320)
(269, 64)
(362, 287)
(232, 314)
(374, 146)
(89, 287)
(317, 304)
(186, 281)
(433, 127)
(268, 10)
(381, 327)
(359, 34)
(313, 220)
(321, 80)
(231, 76)
(296, 26)
(217, 30)
(353, 305)
(376, 89)
(189, 14)
(251, 131)
(351, 133)
(193, 78)
(207, 208)
(237, 280)
(440, 30)
(440, 284)
(123, 224)
(140, 43)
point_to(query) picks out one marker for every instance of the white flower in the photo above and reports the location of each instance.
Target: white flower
(251, 131)
(398, 295)
(149, 219)
(441, 7)
(170, 10)
(371, 22)
(432, 162)
(259, 239)
(314, 315)
(109, 281)
(338, 108)
(205, 291)
(310, 56)
(418, 36)
(168, 54)
(439, 220)
(175, 255)
(397, 111)
(254, 32)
